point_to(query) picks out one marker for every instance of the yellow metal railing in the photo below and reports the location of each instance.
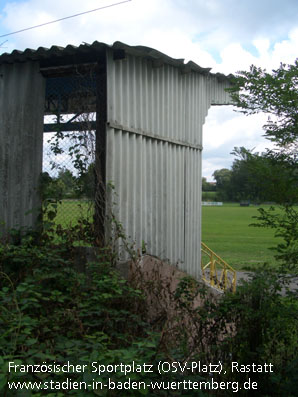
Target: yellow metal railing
(216, 272)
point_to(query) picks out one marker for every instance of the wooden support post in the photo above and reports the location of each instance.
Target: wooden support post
(100, 152)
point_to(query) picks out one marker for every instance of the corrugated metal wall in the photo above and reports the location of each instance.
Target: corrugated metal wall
(21, 133)
(154, 137)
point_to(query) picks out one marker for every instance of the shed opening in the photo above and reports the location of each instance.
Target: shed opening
(72, 147)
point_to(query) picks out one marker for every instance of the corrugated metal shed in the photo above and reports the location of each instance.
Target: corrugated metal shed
(150, 118)
(155, 117)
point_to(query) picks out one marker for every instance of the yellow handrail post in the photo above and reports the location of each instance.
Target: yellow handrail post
(225, 281)
(234, 283)
(225, 278)
(212, 270)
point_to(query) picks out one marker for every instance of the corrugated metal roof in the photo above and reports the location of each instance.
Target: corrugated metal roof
(98, 48)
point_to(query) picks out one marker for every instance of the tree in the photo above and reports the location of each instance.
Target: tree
(51, 188)
(276, 94)
(242, 187)
(256, 177)
(207, 186)
(69, 181)
(87, 181)
(223, 178)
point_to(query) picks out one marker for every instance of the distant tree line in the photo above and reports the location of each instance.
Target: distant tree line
(253, 177)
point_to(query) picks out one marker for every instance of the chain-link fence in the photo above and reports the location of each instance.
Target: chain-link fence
(70, 187)
(69, 146)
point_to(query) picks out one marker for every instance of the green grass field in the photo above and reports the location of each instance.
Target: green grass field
(69, 211)
(227, 232)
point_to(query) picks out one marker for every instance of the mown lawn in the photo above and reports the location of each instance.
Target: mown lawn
(226, 231)
(69, 211)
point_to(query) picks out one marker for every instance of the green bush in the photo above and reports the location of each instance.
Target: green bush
(50, 311)
(265, 320)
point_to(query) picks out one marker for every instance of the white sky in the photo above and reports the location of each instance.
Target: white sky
(227, 35)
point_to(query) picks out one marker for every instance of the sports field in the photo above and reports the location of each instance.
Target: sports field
(69, 211)
(227, 232)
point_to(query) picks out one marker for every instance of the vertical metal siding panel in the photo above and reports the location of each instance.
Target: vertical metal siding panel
(124, 95)
(137, 210)
(188, 214)
(187, 105)
(150, 197)
(150, 99)
(165, 101)
(196, 209)
(175, 165)
(180, 206)
(217, 93)
(198, 112)
(143, 191)
(150, 102)
(181, 105)
(196, 218)
(160, 211)
(180, 198)
(186, 210)
(199, 211)
(125, 193)
(190, 107)
(132, 100)
(168, 102)
(158, 196)
(193, 114)
(111, 84)
(145, 94)
(171, 102)
(139, 97)
(158, 182)
(118, 176)
(168, 209)
(21, 133)
(111, 155)
(160, 90)
(116, 91)
(177, 209)
(163, 207)
(199, 215)
(119, 92)
(192, 219)
(178, 108)
(155, 195)
(121, 166)
(176, 118)
(169, 183)
(205, 104)
(164, 186)
(156, 99)
(133, 185)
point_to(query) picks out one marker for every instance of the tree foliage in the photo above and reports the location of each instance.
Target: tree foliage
(223, 178)
(275, 94)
